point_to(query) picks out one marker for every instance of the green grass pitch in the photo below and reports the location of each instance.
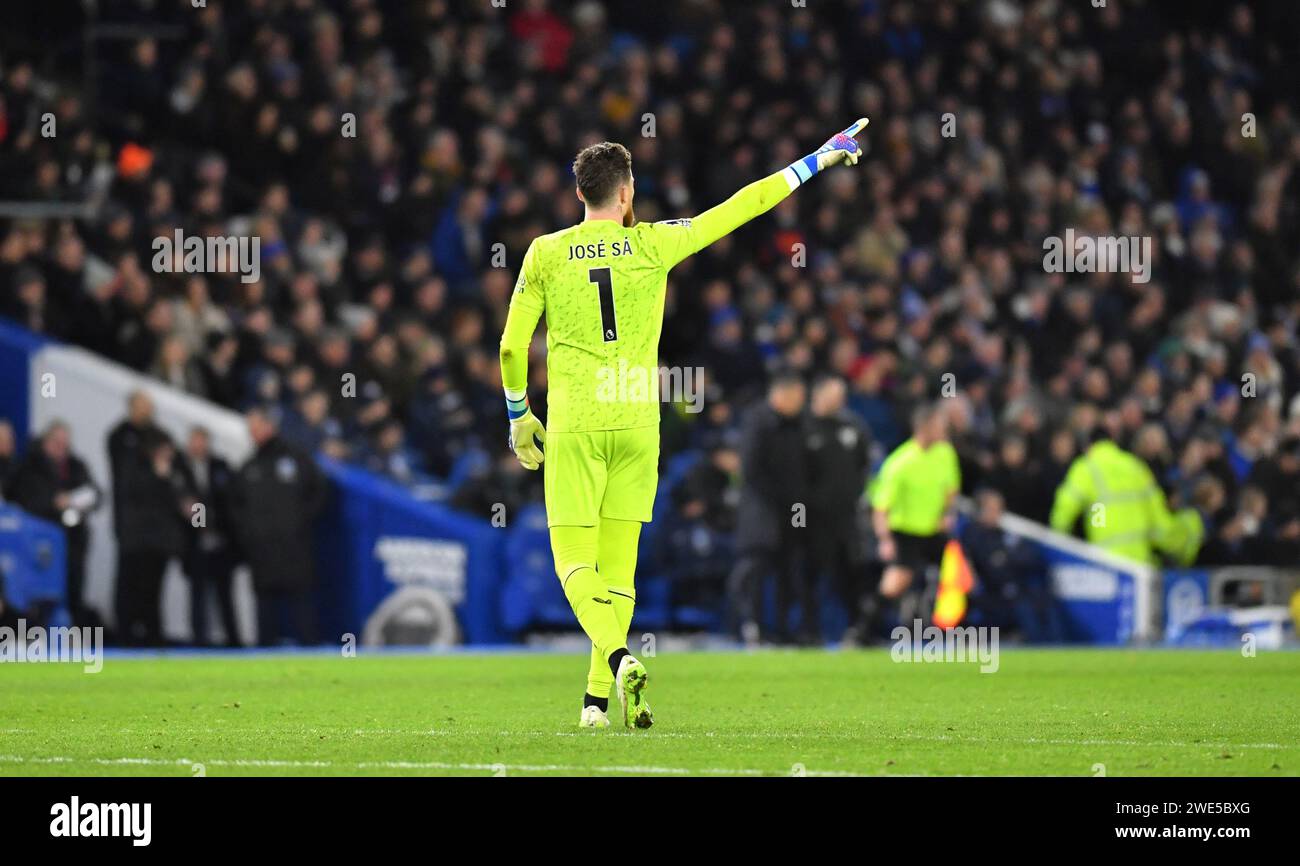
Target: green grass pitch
(1059, 712)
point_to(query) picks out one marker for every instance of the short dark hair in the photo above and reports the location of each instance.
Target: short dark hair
(922, 413)
(269, 412)
(599, 170)
(154, 441)
(823, 379)
(784, 377)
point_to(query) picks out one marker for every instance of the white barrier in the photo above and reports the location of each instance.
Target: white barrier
(1113, 599)
(1146, 578)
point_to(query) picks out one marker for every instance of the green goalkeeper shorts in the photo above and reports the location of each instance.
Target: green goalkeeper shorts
(602, 473)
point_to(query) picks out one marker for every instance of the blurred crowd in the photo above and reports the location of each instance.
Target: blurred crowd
(396, 158)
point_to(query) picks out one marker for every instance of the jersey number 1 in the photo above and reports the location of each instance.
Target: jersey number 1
(605, 287)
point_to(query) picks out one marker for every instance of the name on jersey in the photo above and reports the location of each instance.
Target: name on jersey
(600, 250)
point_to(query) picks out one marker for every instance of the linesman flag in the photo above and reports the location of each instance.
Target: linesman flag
(955, 581)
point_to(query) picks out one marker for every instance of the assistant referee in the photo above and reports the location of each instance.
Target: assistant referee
(911, 498)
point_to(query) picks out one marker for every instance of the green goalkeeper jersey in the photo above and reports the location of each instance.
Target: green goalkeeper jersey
(602, 286)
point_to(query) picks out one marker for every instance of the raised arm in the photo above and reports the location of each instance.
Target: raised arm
(682, 238)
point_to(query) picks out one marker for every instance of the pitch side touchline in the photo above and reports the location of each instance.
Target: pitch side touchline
(679, 735)
(411, 765)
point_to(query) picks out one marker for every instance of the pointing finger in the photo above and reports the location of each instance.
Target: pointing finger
(857, 126)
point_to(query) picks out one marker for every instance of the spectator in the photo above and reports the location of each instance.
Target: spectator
(1210, 501)
(1245, 531)
(197, 317)
(275, 498)
(1012, 590)
(217, 369)
(388, 455)
(27, 304)
(1062, 448)
(1278, 479)
(54, 484)
(493, 484)
(1017, 478)
(175, 366)
(710, 493)
(310, 427)
(700, 530)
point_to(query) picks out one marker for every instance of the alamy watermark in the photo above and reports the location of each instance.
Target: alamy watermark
(215, 254)
(633, 383)
(1086, 254)
(132, 821)
(931, 644)
(69, 644)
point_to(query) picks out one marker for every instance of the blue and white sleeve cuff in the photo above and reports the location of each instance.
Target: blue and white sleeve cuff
(800, 171)
(516, 404)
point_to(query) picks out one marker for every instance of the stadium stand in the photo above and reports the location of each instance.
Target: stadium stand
(396, 158)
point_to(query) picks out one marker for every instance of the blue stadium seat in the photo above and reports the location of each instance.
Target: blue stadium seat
(33, 562)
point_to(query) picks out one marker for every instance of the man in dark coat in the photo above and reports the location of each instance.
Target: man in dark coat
(126, 442)
(210, 555)
(277, 495)
(153, 526)
(1012, 588)
(54, 484)
(839, 459)
(771, 519)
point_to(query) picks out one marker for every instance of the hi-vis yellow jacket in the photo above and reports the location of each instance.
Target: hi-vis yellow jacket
(1124, 509)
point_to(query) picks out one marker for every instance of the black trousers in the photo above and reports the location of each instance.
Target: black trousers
(794, 581)
(836, 555)
(139, 597)
(275, 606)
(212, 571)
(78, 542)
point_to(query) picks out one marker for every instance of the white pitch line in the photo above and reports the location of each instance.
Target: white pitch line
(159, 762)
(413, 765)
(682, 735)
(936, 738)
(1036, 741)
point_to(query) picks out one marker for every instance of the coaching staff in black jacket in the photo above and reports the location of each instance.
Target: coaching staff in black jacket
(210, 557)
(275, 499)
(152, 528)
(839, 460)
(771, 520)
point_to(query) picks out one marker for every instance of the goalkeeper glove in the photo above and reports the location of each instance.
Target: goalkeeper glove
(840, 148)
(525, 432)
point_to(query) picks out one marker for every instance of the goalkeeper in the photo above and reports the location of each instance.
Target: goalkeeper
(602, 284)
